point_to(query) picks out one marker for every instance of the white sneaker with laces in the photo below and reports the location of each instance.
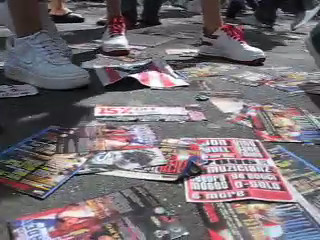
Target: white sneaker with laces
(228, 42)
(114, 41)
(36, 60)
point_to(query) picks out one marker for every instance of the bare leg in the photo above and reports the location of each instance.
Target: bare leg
(25, 15)
(58, 7)
(212, 20)
(113, 8)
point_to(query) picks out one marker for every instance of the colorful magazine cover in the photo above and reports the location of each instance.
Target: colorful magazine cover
(285, 124)
(105, 137)
(148, 113)
(230, 148)
(33, 167)
(183, 160)
(110, 161)
(258, 221)
(300, 173)
(129, 214)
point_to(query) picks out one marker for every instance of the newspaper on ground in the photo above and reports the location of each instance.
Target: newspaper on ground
(237, 169)
(183, 52)
(289, 81)
(285, 124)
(183, 160)
(301, 174)
(156, 74)
(206, 69)
(13, 91)
(132, 213)
(252, 220)
(126, 160)
(148, 113)
(105, 137)
(33, 167)
(248, 78)
(237, 108)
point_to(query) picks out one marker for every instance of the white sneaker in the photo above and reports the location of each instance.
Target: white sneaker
(227, 42)
(36, 60)
(114, 41)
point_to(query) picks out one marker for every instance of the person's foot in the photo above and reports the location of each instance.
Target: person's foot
(313, 44)
(65, 16)
(36, 60)
(228, 42)
(114, 41)
(253, 21)
(304, 17)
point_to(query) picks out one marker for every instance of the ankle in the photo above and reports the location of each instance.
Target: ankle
(59, 12)
(211, 30)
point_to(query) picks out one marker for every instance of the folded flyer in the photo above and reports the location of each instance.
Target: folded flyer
(182, 160)
(129, 214)
(105, 137)
(33, 166)
(302, 175)
(148, 113)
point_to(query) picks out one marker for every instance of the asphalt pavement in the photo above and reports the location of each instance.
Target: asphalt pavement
(22, 117)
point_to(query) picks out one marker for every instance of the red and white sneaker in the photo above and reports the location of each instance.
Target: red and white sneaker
(228, 42)
(114, 41)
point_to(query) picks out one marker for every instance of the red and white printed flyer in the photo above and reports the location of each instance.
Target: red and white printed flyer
(237, 169)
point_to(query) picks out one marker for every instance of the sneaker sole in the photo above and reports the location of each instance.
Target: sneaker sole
(23, 75)
(313, 52)
(120, 52)
(254, 62)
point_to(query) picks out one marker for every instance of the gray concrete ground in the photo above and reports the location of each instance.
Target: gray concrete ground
(21, 117)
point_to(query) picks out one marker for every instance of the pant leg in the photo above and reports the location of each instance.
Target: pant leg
(252, 3)
(266, 12)
(151, 10)
(235, 6)
(129, 10)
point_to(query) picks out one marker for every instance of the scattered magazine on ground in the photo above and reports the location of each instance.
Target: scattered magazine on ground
(183, 161)
(129, 214)
(33, 166)
(285, 124)
(103, 137)
(302, 175)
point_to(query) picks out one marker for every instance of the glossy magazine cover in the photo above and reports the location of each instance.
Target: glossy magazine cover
(33, 166)
(129, 214)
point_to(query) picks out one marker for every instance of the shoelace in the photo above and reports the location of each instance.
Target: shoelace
(234, 32)
(117, 26)
(48, 48)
